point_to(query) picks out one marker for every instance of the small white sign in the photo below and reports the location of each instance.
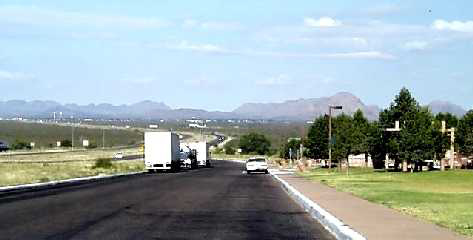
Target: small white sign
(85, 143)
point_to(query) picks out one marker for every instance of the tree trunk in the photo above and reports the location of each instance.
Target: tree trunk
(366, 160)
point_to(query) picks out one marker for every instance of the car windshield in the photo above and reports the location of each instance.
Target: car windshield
(257, 160)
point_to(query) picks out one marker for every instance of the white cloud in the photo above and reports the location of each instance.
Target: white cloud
(457, 26)
(322, 22)
(207, 48)
(360, 55)
(215, 49)
(359, 40)
(211, 25)
(415, 45)
(279, 80)
(32, 15)
(7, 75)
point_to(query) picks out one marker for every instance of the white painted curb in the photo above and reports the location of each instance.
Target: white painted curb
(339, 229)
(32, 186)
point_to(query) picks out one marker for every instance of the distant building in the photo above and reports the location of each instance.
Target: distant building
(154, 126)
(196, 125)
(293, 138)
(359, 160)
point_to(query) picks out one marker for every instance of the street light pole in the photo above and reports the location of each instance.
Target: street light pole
(330, 134)
(72, 140)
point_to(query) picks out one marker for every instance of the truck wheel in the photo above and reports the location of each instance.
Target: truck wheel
(266, 171)
(248, 172)
(150, 170)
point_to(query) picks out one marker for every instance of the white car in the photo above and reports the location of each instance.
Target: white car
(118, 155)
(257, 164)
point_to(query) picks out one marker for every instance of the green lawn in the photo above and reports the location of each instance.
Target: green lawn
(444, 198)
(23, 173)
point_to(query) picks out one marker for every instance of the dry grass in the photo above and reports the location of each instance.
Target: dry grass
(16, 174)
(87, 155)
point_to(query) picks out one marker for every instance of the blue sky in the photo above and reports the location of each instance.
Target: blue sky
(217, 55)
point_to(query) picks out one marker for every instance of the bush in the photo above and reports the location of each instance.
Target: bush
(254, 143)
(218, 150)
(231, 146)
(229, 150)
(92, 146)
(18, 145)
(103, 163)
(66, 143)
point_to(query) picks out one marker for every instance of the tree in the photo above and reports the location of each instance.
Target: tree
(465, 134)
(292, 145)
(376, 140)
(361, 131)
(254, 143)
(414, 142)
(66, 143)
(342, 138)
(317, 139)
(230, 146)
(18, 145)
(450, 119)
(442, 140)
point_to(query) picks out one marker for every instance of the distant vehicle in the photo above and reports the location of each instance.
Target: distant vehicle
(4, 147)
(203, 153)
(162, 151)
(256, 164)
(118, 155)
(185, 161)
(189, 159)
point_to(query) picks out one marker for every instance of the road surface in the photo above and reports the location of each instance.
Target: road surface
(213, 203)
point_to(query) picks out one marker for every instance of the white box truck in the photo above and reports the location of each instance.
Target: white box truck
(162, 151)
(203, 153)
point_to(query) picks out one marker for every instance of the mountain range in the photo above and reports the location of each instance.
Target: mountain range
(295, 110)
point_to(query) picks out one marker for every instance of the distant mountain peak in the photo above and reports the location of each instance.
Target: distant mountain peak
(438, 106)
(307, 108)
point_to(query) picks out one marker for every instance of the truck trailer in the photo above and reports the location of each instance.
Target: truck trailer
(162, 151)
(203, 154)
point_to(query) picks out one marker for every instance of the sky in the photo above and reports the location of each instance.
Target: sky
(217, 55)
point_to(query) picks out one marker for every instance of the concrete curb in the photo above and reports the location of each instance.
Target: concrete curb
(46, 185)
(339, 229)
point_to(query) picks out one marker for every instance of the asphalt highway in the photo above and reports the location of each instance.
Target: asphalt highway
(209, 203)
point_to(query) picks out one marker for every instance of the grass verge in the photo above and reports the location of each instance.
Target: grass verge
(444, 198)
(17, 174)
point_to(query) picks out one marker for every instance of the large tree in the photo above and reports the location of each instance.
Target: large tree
(361, 131)
(254, 143)
(441, 139)
(343, 138)
(465, 134)
(450, 119)
(317, 139)
(414, 142)
(290, 148)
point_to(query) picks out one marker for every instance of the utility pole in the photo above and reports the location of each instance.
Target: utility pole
(404, 162)
(72, 140)
(330, 134)
(450, 131)
(103, 138)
